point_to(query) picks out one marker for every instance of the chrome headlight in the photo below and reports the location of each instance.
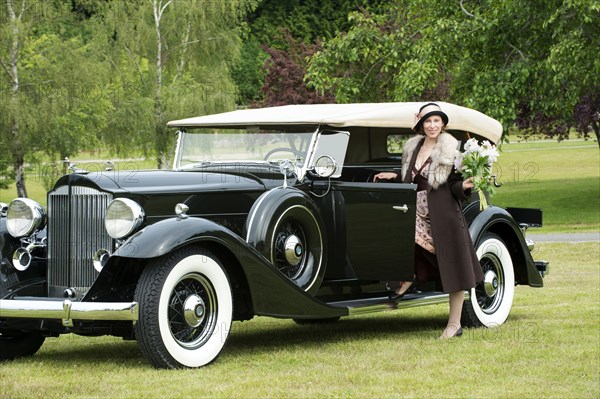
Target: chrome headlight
(24, 217)
(123, 216)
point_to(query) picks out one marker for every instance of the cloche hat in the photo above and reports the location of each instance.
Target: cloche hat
(425, 112)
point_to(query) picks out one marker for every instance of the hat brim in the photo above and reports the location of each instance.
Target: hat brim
(419, 123)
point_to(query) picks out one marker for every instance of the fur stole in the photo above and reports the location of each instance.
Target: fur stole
(442, 158)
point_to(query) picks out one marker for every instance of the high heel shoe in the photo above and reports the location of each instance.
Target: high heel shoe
(457, 333)
(394, 296)
(399, 292)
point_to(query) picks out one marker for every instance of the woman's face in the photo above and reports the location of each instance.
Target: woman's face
(432, 127)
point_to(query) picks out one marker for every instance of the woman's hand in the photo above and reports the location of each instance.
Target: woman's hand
(385, 176)
(468, 184)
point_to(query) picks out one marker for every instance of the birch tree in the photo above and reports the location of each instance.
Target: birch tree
(182, 52)
(11, 128)
(53, 81)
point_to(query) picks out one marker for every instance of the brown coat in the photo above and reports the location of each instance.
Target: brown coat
(458, 264)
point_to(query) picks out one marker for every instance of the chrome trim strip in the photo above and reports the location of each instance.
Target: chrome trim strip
(178, 153)
(310, 152)
(68, 310)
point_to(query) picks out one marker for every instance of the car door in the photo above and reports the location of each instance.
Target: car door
(373, 228)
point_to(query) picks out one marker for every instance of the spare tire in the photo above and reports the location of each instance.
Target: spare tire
(286, 228)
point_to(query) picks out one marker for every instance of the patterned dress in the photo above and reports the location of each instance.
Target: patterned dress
(423, 224)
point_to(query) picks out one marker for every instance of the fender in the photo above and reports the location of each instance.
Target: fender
(8, 243)
(167, 235)
(13, 282)
(497, 220)
(287, 215)
(266, 284)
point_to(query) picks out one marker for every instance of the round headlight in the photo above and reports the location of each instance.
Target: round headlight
(24, 216)
(123, 216)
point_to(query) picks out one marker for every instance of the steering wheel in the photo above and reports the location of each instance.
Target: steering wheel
(282, 149)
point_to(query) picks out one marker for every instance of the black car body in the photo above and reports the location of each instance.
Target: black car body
(269, 212)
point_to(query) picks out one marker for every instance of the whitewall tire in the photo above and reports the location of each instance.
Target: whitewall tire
(490, 301)
(186, 309)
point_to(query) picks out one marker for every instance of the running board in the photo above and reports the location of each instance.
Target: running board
(380, 304)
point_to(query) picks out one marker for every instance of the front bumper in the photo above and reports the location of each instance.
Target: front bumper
(67, 310)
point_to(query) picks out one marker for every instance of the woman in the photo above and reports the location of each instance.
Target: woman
(443, 244)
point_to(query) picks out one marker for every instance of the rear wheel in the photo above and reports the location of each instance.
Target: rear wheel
(491, 300)
(14, 344)
(186, 309)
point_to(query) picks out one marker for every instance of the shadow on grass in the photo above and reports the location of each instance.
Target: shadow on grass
(271, 336)
(68, 351)
(245, 338)
(264, 335)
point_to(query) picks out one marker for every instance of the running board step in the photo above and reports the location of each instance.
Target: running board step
(379, 304)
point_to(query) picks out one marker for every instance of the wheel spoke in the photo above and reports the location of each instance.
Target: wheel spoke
(489, 303)
(288, 228)
(181, 330)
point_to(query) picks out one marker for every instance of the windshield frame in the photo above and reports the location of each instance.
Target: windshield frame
(300, 169)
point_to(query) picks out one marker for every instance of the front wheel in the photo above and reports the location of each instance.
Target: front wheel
(186, 309)
(14, 344)
(491, 300)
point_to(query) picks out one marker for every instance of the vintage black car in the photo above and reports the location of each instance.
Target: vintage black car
(268, 212)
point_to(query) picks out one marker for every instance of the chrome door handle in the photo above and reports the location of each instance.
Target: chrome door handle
(402, 208)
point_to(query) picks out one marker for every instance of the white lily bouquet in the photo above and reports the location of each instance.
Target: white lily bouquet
(476, 162)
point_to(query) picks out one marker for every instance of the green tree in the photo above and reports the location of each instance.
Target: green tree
(50, 80)
(529, 63)
(14, 126)
(363, 64)
(284, 76)
(171, 59)
(305, 21)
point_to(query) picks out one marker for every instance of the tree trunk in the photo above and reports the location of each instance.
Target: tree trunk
(17, 147)
(20, 176)
(159, 130)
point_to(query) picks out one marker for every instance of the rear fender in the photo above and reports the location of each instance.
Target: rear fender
(499, 221)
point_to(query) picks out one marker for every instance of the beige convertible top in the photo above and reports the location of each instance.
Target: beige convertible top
(389, 115)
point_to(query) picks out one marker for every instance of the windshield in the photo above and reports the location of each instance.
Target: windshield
(243, 145)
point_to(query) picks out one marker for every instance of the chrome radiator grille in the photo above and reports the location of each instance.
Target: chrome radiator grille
(75, 232)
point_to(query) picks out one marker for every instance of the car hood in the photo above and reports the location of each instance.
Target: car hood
(164, 181)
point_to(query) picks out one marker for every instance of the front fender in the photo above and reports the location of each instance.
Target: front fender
(272, 293)
(167, 235)
(498, 221)
(13, 282)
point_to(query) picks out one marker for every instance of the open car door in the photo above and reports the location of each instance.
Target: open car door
(374, 236)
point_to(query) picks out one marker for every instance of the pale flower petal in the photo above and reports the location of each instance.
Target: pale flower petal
(468, 164)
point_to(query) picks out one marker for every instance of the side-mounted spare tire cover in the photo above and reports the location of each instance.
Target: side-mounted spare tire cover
(286, 228)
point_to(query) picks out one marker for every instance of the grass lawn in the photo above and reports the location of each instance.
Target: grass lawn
(549, 348)
(563, 179)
